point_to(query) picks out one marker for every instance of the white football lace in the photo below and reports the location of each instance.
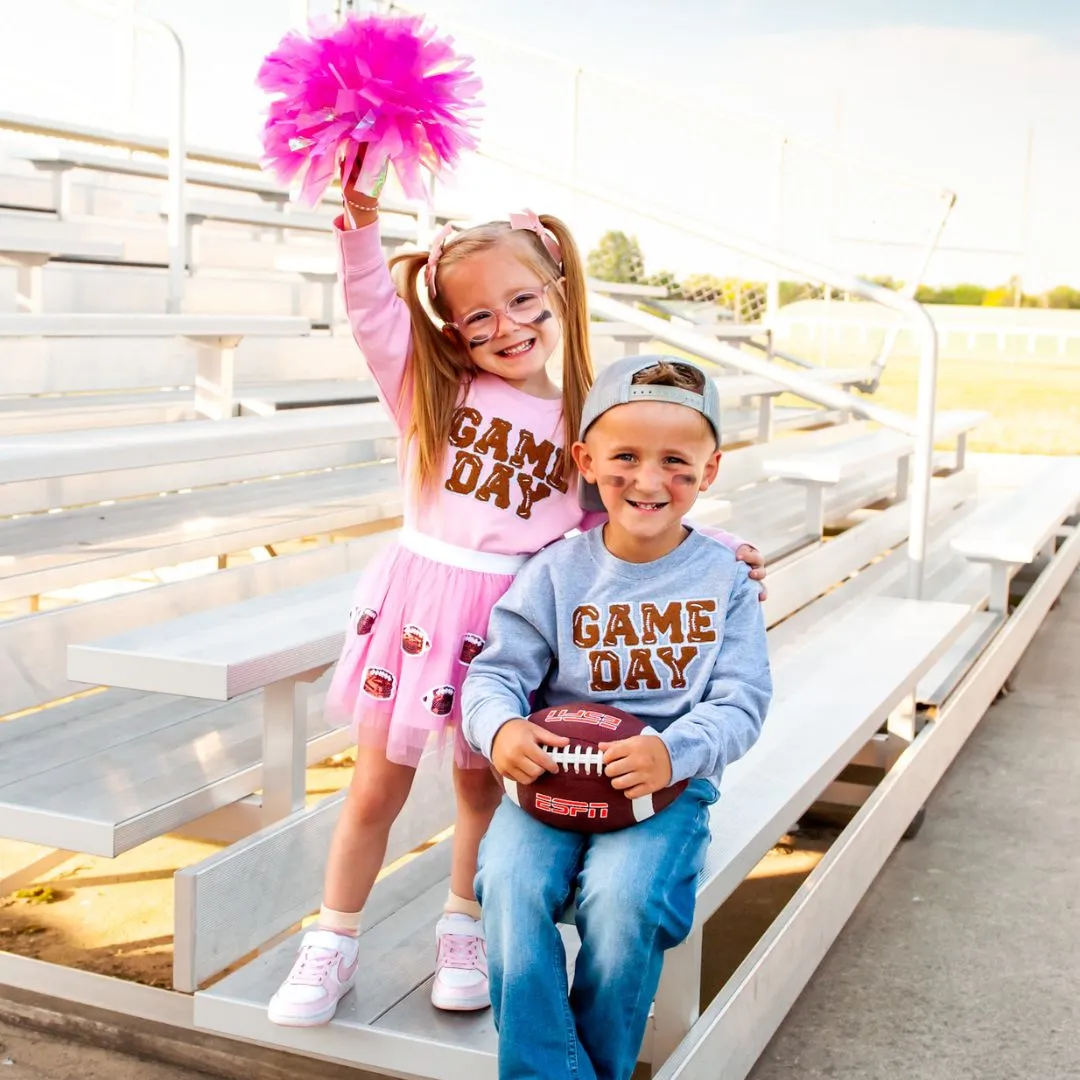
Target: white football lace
(583, 759)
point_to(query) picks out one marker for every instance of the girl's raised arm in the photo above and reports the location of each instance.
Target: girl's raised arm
(378, 317)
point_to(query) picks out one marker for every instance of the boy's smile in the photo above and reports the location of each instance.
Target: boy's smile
(649, 460)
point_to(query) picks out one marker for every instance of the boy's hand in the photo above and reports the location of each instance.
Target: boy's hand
(637, 766)
(756, 561)
(518, 750)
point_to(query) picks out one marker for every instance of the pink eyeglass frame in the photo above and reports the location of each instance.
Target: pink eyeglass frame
(542, 291)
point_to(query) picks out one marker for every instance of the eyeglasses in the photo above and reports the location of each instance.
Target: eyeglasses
(479, 327)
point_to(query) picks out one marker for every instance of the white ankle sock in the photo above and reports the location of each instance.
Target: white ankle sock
(341, 922)
(458, 905)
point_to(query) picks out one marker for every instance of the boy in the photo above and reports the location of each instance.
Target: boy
(653, 617)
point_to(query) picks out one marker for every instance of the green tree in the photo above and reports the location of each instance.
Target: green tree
(665, 279)
(1063, 296)
(886, 282)
(969, 294)
(616, 258)
(792, 291)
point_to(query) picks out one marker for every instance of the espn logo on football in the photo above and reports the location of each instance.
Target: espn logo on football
(570, 807)
(583, 716)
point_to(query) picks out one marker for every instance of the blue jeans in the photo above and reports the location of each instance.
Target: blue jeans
(635, 898)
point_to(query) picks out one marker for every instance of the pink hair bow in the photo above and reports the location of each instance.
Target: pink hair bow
(528, 220)
(433, 258)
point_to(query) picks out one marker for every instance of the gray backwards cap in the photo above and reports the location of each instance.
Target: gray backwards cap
(615, 385)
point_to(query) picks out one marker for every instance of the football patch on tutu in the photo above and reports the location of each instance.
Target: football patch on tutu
(378, 683)
(414, 640)
(440, 701)
(362, 620)
(471, 644)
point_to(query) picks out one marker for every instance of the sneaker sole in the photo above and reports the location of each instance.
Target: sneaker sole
(457, 1004)
(314, 1020)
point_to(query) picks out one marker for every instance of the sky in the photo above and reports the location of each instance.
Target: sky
(682, 104)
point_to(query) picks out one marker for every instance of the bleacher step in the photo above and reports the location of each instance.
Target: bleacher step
(105, 774)
(944, 677)
(42, 553)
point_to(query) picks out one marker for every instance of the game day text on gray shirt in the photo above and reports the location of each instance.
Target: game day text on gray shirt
(678, 642)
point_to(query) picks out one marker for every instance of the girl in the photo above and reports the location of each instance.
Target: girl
(482, 429)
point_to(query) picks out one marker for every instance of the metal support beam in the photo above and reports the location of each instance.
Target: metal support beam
(284, 748)
(28, 874)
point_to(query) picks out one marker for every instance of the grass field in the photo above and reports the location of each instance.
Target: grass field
(1035, 404)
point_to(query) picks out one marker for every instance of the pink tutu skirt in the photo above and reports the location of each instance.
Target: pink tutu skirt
(416, 624)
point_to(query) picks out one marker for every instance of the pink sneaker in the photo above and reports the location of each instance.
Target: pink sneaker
(461, 970)
(324, 972)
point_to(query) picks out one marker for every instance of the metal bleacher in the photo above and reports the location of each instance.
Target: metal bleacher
(132, 440)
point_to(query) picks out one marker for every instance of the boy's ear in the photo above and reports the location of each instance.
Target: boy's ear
(584, 462)
(712, 467)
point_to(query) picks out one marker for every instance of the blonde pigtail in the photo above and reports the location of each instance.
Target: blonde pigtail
(577, 353)
(434, 375)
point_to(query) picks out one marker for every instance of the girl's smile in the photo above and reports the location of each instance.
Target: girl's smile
(491, 281)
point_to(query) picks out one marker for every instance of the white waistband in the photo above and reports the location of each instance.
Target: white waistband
(485, 562)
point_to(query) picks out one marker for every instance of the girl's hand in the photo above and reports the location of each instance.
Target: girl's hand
(348, 183)
(756, 561)
(360, 208)
(637, 766)
(518, 750)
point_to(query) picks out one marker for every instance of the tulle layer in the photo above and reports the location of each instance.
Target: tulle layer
(414, 628)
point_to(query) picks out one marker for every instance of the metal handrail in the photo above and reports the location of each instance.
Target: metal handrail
(698, 342)
(176, 202)
(923, 427)
(176, 207)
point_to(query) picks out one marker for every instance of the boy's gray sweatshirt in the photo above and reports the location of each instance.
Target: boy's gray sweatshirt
(679, 642)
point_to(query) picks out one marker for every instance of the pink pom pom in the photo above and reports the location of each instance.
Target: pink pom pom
(384, 81)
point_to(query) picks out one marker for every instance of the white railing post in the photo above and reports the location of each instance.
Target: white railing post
(772, 295)
(177, 216)
(922, 465)
(909, 290)
(177, 232)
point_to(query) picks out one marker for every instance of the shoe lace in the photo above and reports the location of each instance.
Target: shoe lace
(459, 950)
(312, 966)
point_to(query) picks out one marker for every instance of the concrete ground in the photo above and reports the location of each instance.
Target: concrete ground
(26, 1054)
(963, 960)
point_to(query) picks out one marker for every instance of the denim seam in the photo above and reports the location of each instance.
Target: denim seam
(656, 929)
(568, 1013)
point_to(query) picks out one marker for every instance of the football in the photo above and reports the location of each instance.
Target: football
(580, 797)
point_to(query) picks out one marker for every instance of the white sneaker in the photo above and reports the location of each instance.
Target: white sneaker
(461, 970)
(324, 972)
